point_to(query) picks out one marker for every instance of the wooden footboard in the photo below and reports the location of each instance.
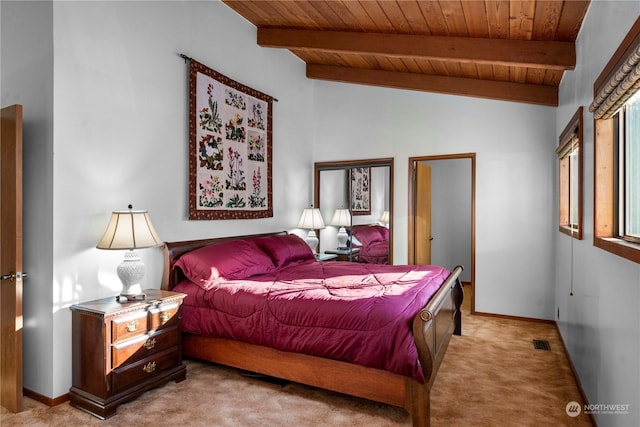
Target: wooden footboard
(435, 323)
(432, 329)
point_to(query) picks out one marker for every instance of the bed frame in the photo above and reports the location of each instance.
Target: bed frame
(432, 330)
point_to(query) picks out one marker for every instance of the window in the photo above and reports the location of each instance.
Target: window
(616, 108)
(569, 154)
(628, 169)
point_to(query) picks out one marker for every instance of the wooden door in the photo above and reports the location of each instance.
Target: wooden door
(422, 236)
(11, 258)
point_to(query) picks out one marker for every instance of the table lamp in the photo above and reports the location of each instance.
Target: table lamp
(384, 218)
(130, 230)
(311, 220)
(342, 218)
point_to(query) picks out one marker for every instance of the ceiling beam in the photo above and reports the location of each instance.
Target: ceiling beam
(506, 91)
(516, 53)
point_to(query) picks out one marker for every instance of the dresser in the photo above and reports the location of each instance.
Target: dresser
(121, 350)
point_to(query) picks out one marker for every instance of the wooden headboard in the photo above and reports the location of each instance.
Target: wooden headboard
(174, 250)
(367, 225)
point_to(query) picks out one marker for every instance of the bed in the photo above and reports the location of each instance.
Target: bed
(254, 302)
(373, 242)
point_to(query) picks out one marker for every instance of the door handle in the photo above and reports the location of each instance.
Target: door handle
(13, 276)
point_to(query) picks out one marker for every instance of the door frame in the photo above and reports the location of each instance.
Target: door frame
(412, 205)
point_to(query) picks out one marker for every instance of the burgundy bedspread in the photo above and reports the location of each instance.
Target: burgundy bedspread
(357, 313)
(374, 253)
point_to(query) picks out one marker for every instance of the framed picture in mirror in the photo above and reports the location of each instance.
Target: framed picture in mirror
(361, 191)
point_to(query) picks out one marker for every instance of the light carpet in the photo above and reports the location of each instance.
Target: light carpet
(491, 376)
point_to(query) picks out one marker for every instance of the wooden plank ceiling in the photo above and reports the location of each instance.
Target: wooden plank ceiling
(514, 50)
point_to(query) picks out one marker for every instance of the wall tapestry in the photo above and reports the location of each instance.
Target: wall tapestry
(360, 191)
(230, 149)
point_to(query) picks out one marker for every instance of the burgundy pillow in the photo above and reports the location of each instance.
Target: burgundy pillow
(235, 259)
(384, 232)
(367, 234)
(284, 250)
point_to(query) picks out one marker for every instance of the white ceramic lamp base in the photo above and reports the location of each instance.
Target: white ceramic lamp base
(312, 240)
(131, 271)
(342, 236)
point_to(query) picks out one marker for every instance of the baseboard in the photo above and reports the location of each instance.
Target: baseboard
(506, 316)
(575, 375)
(44, 399)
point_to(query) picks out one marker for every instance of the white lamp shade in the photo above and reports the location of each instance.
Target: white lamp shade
(341, 218)
(311, 219)
(384, 218)
(129, 230)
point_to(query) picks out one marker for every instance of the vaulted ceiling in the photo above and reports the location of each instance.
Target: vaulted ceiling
(514, 50)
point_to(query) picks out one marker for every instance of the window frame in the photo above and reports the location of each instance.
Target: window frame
(605, 225)
(570, 137)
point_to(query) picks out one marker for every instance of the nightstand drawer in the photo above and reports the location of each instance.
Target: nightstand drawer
(163, 315)
(144, 346)
(125, 327)
(125, 377)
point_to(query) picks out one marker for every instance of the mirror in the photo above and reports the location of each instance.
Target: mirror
(365, 189)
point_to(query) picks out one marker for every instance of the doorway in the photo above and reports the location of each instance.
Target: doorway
(451, 213)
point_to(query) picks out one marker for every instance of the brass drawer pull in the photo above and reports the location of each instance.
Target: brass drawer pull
(150, 343)
(149, 367)
(132, 326)
(165, 316)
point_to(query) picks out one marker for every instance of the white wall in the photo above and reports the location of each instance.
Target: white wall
(515, 168)
(334, 194)
(27, 79)
(121, 136)
(451, 214)
(600, 323)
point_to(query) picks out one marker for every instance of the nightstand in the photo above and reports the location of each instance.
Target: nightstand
(352, 254)
(121, 350)
(326, 257)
